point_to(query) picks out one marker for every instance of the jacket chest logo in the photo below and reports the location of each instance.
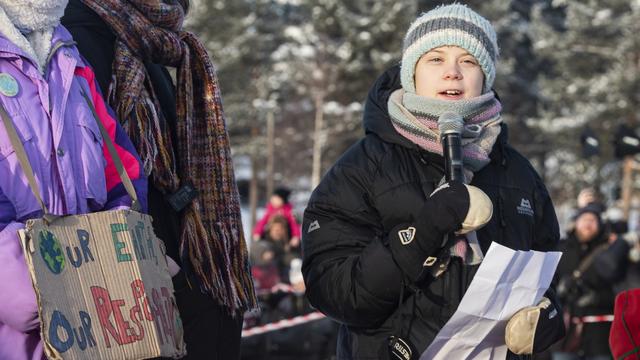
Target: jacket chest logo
(525, 208)
(407, 235)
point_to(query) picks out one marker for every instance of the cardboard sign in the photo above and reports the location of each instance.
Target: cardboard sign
(103, 287)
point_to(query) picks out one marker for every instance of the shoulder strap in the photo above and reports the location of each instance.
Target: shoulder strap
(28, 170)
(24, 161)
(584, 265)
(124, 177)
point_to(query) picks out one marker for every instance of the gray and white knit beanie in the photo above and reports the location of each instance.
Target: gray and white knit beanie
(455, 25)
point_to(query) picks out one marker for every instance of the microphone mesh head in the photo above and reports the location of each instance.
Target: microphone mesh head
(450, 123)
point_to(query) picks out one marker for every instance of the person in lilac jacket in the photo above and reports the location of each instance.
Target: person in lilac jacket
(42, 81)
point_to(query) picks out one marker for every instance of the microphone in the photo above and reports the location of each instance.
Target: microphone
(451, 125)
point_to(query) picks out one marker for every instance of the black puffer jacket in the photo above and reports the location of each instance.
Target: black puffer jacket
(379, 183)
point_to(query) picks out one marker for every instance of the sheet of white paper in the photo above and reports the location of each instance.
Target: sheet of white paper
(506, 281)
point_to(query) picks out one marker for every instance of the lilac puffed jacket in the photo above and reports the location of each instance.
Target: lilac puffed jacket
(72, 167)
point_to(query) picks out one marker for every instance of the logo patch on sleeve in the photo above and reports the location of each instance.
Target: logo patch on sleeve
(407, 235)
(315, 225)
(430, 261)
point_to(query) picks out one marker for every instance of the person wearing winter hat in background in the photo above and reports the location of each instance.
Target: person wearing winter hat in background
(181, 135)
(49, 94)
(279, 205)
(374, 257)
(587, 295)
(590, 196)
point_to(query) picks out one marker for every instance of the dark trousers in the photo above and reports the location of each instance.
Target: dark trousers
(209, 331)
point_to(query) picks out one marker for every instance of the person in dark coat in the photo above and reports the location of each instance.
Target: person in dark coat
(373, 229)
(192, 193)
(587, 295)
(619, 263)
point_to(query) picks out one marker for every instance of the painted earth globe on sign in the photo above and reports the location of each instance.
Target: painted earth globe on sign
(51, 252)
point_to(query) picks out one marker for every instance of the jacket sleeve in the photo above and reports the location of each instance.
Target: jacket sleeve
(349, 272)
(258, 229)
(612, 263)
(116, 194)
(18, 306)
(293, 224)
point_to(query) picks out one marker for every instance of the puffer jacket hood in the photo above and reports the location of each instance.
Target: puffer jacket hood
(376, 114)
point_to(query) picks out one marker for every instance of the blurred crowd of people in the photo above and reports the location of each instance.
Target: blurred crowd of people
(601, 258)
(276, 269)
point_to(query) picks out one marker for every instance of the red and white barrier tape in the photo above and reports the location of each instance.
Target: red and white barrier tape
(279, 288)
(282, 324)
(593, 319)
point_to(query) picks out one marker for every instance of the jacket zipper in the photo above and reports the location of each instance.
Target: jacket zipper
(60, 185)
(54, 49)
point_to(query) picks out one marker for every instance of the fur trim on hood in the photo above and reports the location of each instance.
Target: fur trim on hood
(29, 25)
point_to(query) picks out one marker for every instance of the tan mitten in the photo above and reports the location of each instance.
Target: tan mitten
(480, 211)
(521, 328)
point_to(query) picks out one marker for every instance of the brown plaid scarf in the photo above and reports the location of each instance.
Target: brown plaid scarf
(212, 245)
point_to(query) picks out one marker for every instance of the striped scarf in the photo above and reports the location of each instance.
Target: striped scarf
(212, 246)
(416, 118)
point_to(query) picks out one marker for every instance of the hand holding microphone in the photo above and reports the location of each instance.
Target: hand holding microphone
(451, 127)
(454, 206)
